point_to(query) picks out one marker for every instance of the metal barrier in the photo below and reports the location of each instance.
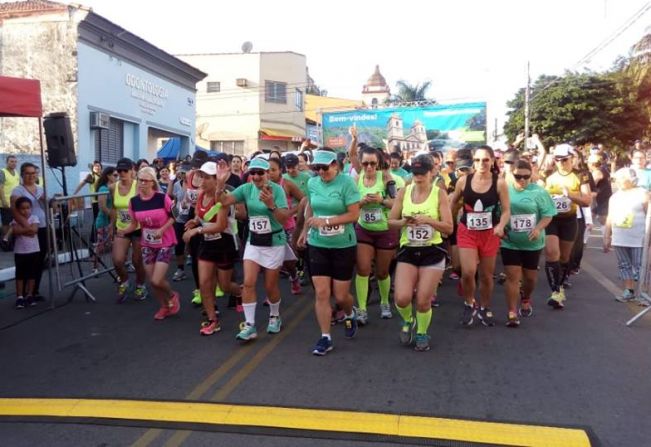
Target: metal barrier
(644, 280)
(75, 243)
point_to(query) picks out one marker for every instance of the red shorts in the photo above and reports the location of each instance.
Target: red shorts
(484, 241)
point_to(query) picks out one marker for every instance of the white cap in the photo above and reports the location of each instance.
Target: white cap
(563, 150)
(209, 167)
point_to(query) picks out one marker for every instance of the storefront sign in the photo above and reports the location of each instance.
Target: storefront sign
(151, 96)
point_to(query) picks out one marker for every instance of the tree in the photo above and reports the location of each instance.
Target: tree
(579, 108)
(411, 93)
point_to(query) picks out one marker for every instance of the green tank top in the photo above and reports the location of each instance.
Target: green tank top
(420, 235)
(373, 216)
(121, 205)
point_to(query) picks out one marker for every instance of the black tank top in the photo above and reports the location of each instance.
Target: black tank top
(603, 188)
(474, 202)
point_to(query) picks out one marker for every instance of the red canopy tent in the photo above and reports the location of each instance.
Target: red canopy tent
(22, 98)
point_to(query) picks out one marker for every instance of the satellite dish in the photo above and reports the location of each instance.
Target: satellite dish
(247, 47)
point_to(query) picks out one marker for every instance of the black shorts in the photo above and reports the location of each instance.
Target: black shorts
(5, 214)
(337, 263)
(423, 256)
(25, 265)
(221, 252)
(179, 229)
(524, 258)
(565, 228)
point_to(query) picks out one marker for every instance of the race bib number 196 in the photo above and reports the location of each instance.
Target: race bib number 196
(331, 230)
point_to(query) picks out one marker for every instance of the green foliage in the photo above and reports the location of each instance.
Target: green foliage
(411, 93)
(477, 121)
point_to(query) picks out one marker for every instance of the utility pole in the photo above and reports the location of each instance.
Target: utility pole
(526, 109)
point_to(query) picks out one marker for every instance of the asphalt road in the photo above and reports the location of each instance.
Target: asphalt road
(577, 367)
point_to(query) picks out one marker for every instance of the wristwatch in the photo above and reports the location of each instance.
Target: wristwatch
(273, 209)
(200, 230)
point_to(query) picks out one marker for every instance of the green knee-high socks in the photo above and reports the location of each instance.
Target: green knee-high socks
(406, 313)
(385, 286)
(361, 288)
(423, 320)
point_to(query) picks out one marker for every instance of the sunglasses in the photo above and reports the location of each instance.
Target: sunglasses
(258, 172)
(318, 168)
(562, 160)
(522, 177)
(508, 162)
(482, 160)
(369, 163)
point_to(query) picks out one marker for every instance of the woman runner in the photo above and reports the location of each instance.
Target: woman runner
(422, 212)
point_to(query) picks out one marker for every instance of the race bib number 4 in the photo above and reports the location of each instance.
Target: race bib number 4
(373, 215)
(124, 216)
(563, 204)
(522, 223)
(479, 221)
(260, 224)
(419, 235)
(331, 230)
(150, 236)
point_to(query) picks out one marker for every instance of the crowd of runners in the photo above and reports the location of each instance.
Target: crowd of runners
(327, 220)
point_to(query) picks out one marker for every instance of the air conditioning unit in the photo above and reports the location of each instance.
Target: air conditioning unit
(99, 120)
(241, 82)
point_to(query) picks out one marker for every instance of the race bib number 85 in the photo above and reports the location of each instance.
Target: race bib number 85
(373, 215)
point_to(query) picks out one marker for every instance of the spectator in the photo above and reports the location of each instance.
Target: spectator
(26, 252)
(9, 179)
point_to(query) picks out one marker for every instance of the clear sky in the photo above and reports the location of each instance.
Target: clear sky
(468, 49)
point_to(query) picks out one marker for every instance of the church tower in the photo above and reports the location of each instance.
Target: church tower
(376, 91)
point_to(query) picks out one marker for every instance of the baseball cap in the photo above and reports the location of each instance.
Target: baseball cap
(209, 167)
(198, 159)
(324, 157)
(124, 164)
(463, 163)
(563, 150)
(421, 164)
(290, 160)
(259, 163)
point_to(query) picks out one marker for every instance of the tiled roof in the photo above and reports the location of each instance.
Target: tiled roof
(28, 7)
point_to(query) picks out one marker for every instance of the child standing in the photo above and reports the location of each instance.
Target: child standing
(26, 253)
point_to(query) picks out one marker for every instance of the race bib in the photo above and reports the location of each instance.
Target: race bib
(184, 210)
(373, 215)
(563, 204)
(523, 223)
(479, 221)
(624, 220)
(212, 237)
(150, 237)
(124, 216)
(419, 235)
(331, 230)
(260, 224)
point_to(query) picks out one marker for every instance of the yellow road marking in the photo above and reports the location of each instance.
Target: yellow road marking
(179, 437)
(299, 419)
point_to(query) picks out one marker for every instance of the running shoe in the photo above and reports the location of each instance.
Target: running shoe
(626, 296)
(434, 301)
(296, 286)
(20, 303)
(123, 292)
(162, 313)
(350, 325)
(209, 327)
(362, 317)
(512, 320)
(385, 311)
(501, 278)
(486, 317)
(561, 294)
(422, 343)
(454, 276)
(30, 301)
(323, 346)
(337, 316)
(641, 301)
(407, 332)
(175, 304)
(179, 275)
(247, 332)
(555, 301)
(526, 309)
(218, 292)
(196, 298)
(188, 260)
(140, 294)
(469, 314)
(274, 325)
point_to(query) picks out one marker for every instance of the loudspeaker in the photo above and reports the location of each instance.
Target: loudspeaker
(59, 140)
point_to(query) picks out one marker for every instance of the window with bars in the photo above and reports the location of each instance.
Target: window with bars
(275, 92)
(213, 87)
(235, 147)
(109, 143)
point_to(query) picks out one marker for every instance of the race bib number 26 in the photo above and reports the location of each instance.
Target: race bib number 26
(563, 204)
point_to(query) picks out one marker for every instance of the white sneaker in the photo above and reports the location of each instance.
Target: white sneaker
(385, 311)
(179, 275)
(362, 317)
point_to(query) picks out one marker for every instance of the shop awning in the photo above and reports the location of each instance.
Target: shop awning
(172, 149)
(270, 134)
(20, 97)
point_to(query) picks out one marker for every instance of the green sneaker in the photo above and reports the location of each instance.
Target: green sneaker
(247, 332)
(274, 326)
(140, 294)
(218, 292)
(196, 297)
